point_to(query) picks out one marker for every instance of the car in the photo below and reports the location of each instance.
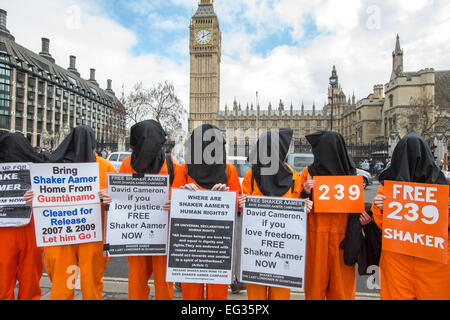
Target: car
(242, 165)
(367, 177)
(299, 161)
(116, 158)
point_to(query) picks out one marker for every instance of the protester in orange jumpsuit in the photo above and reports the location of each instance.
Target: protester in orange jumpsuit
(404, 277)
(197, 175)
(285, 183)
(147, 139)
(61, 261)
(20, 259)
(326, 275)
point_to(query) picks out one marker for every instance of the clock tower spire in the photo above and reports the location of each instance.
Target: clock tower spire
(205, 46)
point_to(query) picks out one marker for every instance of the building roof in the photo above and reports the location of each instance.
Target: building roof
(22, 58)
(205, 11)
(442, 89)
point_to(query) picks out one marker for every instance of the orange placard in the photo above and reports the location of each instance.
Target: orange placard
(338, 194)
(415, 220)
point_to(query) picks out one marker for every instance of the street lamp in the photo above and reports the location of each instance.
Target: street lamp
(333, 85)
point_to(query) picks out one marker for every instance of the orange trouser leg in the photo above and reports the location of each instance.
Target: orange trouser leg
(326, 275)
(92, 265)
(193, 291)
(405, 277)
(216, 292)
(140, 270)
(260, 292)
(316, 266)
(20, 260)
(342, 284)
(163, 289)
(433, 279)
(30, 265)
(8, 263)
(60, 264)
(396, 281)
(276, 293)
(256, 292)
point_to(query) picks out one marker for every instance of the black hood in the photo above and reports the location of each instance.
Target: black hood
(413, 161)
(205, 141)
(274, 145)
(330, 155)
(78, 147)
(147, 139)
(14, 147)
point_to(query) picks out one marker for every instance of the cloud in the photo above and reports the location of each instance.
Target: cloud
(284, 49)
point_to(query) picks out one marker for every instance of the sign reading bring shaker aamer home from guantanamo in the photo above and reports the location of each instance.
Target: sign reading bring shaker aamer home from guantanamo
(136, 223)
(14, 182)
(274, 242)
(66, 204)
(201, 237)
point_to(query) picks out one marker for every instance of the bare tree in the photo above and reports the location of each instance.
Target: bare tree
(137, 105)
(423, 116)
(159, 103)
(166, 107)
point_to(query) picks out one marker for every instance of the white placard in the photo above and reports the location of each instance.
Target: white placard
(136, 224)
(201, 237)
(273, 243)
(66, 205)
(14, 182)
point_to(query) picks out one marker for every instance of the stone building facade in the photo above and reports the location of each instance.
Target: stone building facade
(44, 101)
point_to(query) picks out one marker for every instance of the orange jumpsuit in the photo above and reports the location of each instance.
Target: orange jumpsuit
(326, 275)
(261, 292)
(196, 291)
(60, 261)
(404, 277)
(140, 269)
(20, 260)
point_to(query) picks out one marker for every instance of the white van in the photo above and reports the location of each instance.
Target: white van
(116, 158)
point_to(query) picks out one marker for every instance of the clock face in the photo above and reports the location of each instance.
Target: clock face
(203, 36)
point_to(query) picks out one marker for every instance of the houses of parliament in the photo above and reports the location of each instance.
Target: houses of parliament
(375, 118)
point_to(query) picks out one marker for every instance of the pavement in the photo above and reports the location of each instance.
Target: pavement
(117, 289)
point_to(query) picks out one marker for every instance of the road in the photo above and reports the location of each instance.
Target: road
(118, 267)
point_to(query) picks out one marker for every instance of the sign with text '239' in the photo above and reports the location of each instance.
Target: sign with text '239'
(415, 220)
(339, 194)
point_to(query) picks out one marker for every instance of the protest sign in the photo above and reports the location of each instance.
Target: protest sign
(201, 237)
(14, 182)
(274, 242)
(338, 194)
(415, 220)
(136, 224)
(66, 204)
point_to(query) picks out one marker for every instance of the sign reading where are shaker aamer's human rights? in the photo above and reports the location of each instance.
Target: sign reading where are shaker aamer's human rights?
(66, 204)
(201, 236)
(136, 223)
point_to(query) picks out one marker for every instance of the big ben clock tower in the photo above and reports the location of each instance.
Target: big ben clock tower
(205, 44)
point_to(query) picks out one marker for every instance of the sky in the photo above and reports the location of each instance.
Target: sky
(282, 49)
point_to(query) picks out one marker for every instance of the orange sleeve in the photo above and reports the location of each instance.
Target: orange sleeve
(126, 166)
(233, 180)
(180, 177)
(104, 166)
(377, 213)
(247, 183)
(303, 178)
